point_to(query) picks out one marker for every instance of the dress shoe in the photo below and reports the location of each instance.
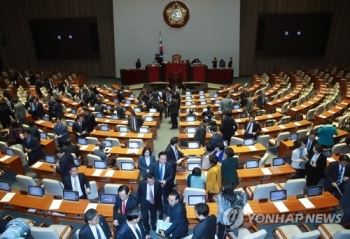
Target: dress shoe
(160, 216)
(153, 227)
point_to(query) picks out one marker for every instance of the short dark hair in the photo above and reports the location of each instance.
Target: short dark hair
(229, 152)
(174, 140)
(313, 132)
(220, 145)
(213, 159)
(124, 188)
(213, 128)
(72, 166)
(161, 153)
(209, 147)
(298, 143)
(344, 157)
(27, 131)
(318, 148)
(202, 209)
(175, 193)
(149, 175)
(145, 149)
(133, 213)
(90, 214)
(67, 142)
(196, 171)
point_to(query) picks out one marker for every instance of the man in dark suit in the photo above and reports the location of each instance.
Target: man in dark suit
(166, 99)
(204, 229)
(310, 141)
(100, 107)
(10, 106)
(96, 226)
(173, 154)
(177, 216)
(100, 152)
(261, 100)
(345, 204)
(132, 227)
(58, 109)
(32, 147)
(123, 203)
(83, 95)
(252, 128)
(229, 65)
(66, 160)
(91, 97)
(76, 182)
(70, 148)
(316, 167)
(228, 126)
(173, 109)
(138, 64)
(51, 103)
(36, 109)
(49, 85)
(34, 130)
(6, 93)
(336, 174)
(216, 137)
(89, 119)
(149, 196)
(61, 132)
(164, 172)
(134, 122)
(79, 127)
(119, 110)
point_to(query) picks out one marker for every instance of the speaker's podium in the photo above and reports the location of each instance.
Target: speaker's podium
(153, 73)
(199, 72)
(177, 71)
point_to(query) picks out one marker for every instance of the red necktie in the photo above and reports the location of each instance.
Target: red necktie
(123, 208)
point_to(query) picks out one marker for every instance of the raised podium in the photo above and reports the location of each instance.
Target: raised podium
(153, 73)
(199, 72)
(170, 68)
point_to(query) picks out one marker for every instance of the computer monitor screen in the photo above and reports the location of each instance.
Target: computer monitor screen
(191, 166)
(143, 130)
(269, 123)
(50, 159)
(115, 117)
(243, 115)
(204, 103)
(76, 162)
(127, 101)
(194, 199)
(9, 152)
(148, 118)
(344, 150)
(95, 105)
(108, 198)
(188, 93)
(285, 120)
(278, 161)
(314, 191)
(293, 136)
(278, 195)
(123, 129)
(193, 145)
(202, 97)
(43, 135)
(188, 98)
(35, 191)
(82, 141)
(137, 110)
(98, 164)
(327, 153)
(217, 101)
(133, 145)
(132, 96)
(108, 143)
(108, 107)
(5, 186)
(104, 127)
(153, 110)
(70, 195)
(73, 111)
(252, 164)
(214, 95)
(99, 115)
(201, 92)
(190, 118)
(259, 113)
(70, 123)
(191, 130)
(46, 118)
(188, 103)
(116, 101)
(272, 110)
(299, 118)
(129, 166)
(248, 142)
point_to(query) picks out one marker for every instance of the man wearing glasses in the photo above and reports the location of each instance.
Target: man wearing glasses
(96, 226)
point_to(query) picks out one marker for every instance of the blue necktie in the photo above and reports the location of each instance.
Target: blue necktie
(137, 232)
(161, 172)
(176, 154)
(98, 233)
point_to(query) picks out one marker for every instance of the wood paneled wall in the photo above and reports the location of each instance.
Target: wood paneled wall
(338, 49)
(19, 51)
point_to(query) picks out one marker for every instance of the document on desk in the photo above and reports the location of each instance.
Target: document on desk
(247, 209)
(269, 116)
(132, 151)
(332, 112)
(55, 205)
(239, 110)
(339, 108)
(140, 135)
(7, 197)
(150, 114)
(84, 147)
(330, 159)
(109, 173)
(281, 127)
(70, 115)
(281, 207)
(107, 120)
(322, 116)
(265, 129)
(40, 121)
(266, 171)
(124, 122)
(252, 148)
(306, 202)
(91, 205)
(4, 158)
(297, 123)
(97, 172)
(191, 122)
(190, 135)
(122, 134)
(37, 164)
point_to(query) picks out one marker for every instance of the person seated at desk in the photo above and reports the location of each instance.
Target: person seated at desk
(196, 179)
(96, 226)
(79, 127)
(100, 152)
(299, 158)
(191, 114)
(219, 151)
(145, 160)
(138, 64)
(134, 122)
(76, 182)
(209, 111)
(100, 107)
(132, 227)
(216, 137)
(252, 128)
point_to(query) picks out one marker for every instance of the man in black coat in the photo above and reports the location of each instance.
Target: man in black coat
(32, 147)
(76, 182)
(228, 126)
(34, 130)
(89, 120)
(261, 100)
(173, 154)
(66, 160)
(310, 141)
(134, 122)
(70, 148)
(123, 203)
(96, 226)
(173, 111)
(58, 109)
(119, 110)
(164, 172)
(79, 127)
(49, 85)
(336, 174)
(345, 204)
(10, 106)
(252, 128)
(36, 109)
(216, 137)
(6, 93)
(204, 229)
(125, 230)
(149, 196)
(166, 99)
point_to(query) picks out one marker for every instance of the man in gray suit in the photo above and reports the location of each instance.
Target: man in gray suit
(100, 152)
(20, 111)
(61, 132)
(226, 104)
(250, 105)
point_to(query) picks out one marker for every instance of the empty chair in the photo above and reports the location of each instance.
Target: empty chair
(25, 181)
(281, 136)
(236, 141)
(295, 232)
(115, 141)
(263, 160)
(91, 159)
(260, 112)
(144, 130)
(302, 133)
(53, 187)
(193, 192)
(293, 103)
(20, 154)
(139, 141)
(122, 128)
(94, 190)
(110, 188)
(248, 233)
(121, 160)
(92, 140)
(293, 186)
(263, 139)
(260, 191)
(285, 119)
(54, 231)
(284, 108)
(333, 231)
(337, 148)
(310, 115)
(3, 146)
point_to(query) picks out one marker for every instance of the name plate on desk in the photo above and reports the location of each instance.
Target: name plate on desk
(97, 172)
(281, 207)
(266, 171)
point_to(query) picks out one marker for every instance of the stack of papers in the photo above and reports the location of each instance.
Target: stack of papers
(8, 197)
(55, 205)
(140, 135)
(281, 127)
(122, 134)
(109, 173)
(84, 147)
(297, 123)
(281, 207)
(190, 135)
(132, 151)
(252, 148)
(97, 172)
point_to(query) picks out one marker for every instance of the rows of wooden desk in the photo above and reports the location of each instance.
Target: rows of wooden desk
(332, 113)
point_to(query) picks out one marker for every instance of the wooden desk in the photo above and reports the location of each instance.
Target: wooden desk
(132, 76)
(48, 146)
(303, 108)
(288, 98)
(225, 91)
(196, 96)
(13, 164)
(198, 108)
(183, 125)
(196, 101)
(253, 88)
(220, 75)
(129, 178)
(261, 119)
(332, 113)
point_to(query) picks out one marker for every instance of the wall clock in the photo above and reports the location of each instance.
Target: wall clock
(176, 14)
